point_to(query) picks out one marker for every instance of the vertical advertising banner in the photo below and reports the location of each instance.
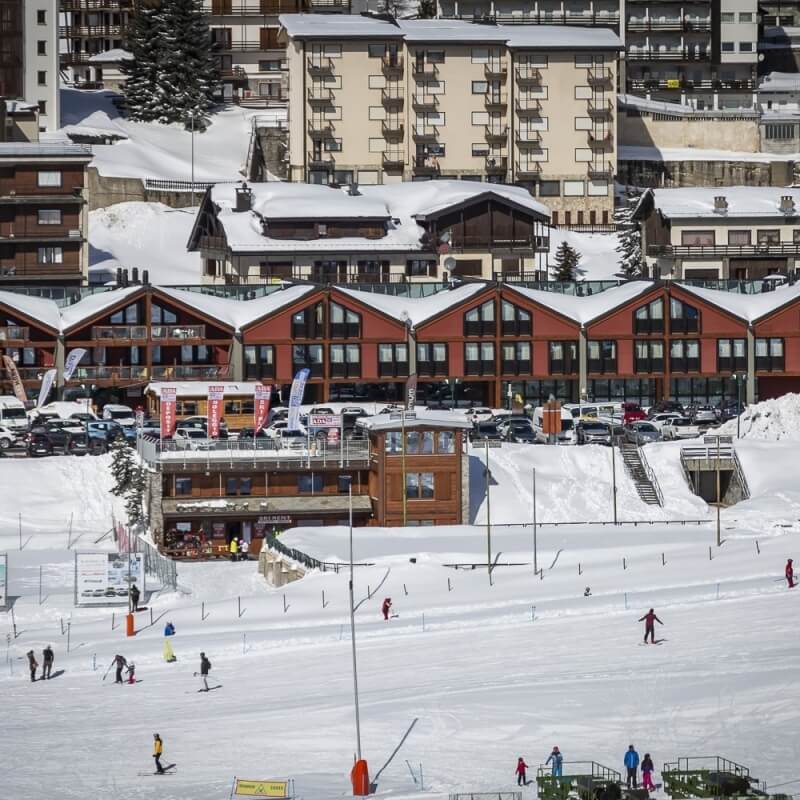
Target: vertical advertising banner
(168, 404)
(261, 407)
(3, 580)
(47, 385)
(411, 392)
(296, 399)
(216, 394)
(71, 362)
(104, 578)
(16, 381)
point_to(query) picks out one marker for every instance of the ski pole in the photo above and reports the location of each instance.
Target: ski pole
(108, 670)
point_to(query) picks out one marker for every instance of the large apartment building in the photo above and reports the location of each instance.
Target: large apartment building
(378, 100)
(29, 56)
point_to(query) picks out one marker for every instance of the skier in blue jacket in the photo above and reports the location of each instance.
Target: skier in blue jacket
(557, 760)
(631, 762)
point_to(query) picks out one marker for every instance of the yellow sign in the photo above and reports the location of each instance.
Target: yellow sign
(673, 83)
(260, 788)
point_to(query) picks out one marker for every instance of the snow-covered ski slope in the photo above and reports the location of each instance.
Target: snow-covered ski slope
(492, 673)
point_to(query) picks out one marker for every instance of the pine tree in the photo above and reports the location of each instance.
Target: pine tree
(134, 498)
(631, 262)
(174, 73)
(122, 466)
(426, 9)
(567, 261)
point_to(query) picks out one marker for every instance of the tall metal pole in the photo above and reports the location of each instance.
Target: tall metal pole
(719, 499)
(738, 405)
(614, 475)
(192, 159)
(488, 518)
(403, 465)
(353, 625)
(535, 556)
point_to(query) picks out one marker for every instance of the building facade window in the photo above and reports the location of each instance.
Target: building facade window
(516, 321)
(309, 323)
(238, 486)
(421, 268)
(419, 485)
(311, 483)
(51, 255)
(515, 358)
(479, 358)
(445, 443)
(739, 238)
(48, 178)
(731, 355)
(480, 321)
(432, 359)
(563, 358)
(183, 486)
(345, 324)
(684, 355)
(649, 318)
(394, 442)
(345, 360)
(259, 361)
(648, 356)
(393, 360)
(697, 238)
(769, 355)
(419, 443)
(683, 318)
(602, 356)
(49, 216)
(308, 356)
(768, 236)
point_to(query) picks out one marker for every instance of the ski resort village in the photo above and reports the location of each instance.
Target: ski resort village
(399, 398)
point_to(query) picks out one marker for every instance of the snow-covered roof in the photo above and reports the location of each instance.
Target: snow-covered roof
(583, 309)
(636, 153)
(19, 107)
(545, 37)
(37, 308)
(415, 309)
(680, 109)
(424, 419)
(199, 388)
(43, 149)
(780, 82)
(397, 205)
(743, 201)
(748, 307)
(111, 56)
(92, 305)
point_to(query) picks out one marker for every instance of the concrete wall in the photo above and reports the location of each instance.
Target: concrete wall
(660, 174)
(105, 191)
(276, 570)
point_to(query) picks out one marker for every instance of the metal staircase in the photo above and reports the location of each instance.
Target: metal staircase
(641, 474)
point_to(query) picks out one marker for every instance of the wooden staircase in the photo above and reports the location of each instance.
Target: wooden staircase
(641, 474)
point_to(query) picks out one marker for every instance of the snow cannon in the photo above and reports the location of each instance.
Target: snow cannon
(359, 777)
(707, 776)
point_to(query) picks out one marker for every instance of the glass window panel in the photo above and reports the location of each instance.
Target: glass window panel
(487, 351)
(440, 352)
(446, 442)
(413, 443)
(471, 352)
(426, 484)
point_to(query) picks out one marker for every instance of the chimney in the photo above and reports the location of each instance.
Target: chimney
(119, 276)
(720, 204)
(135, 276)
(787, 204)
(145, 277)
(244, 198)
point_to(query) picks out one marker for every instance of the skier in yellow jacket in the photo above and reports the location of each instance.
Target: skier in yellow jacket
(234, 548)
(158, 749)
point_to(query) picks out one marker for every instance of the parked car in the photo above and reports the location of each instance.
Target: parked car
(110, 430)
(293, 440)
(249, 433)
(664, 406)
(632, 412)
(641, 432)
(660, 419)
(201, 423)
(485, 431)
(505, 420)
(520, 432)
(350, 414)
(77, 444)
(327, 410)
(479, 414)
(705, 415)
(730, 409)
(680, 428)
(8, 438)
(39, 444)
(122, 414)
(592, 431)
(192, 439)
(278, 413)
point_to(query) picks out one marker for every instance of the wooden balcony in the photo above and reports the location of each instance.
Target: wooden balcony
(177, 333)
(14, 335)
(392, 65)
(319, 66)
(122, 334)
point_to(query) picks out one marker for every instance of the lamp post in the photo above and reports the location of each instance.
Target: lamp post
(353, 621)
(535, 556)
(489, 443)
(740, 377)
(191, 116)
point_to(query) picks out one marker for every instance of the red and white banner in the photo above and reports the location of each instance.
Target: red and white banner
(261, 407)
(168, 404)
(216, 394)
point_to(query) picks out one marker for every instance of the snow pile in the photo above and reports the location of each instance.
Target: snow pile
(149, 236)
(774, 419)
(599, 259)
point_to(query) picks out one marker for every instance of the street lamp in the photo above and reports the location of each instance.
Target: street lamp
(353, 619)
(740, 378)
(191, 116)
(487, 472)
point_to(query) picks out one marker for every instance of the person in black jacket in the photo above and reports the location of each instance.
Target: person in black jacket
(205, 667)
(48, 657)
(120, 663)
(650, 620)
(134, 592)
(32, 664)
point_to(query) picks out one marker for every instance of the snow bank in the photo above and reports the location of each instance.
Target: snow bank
(774, 419)
(599, 259)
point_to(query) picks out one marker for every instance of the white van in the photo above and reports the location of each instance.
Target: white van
(567, 435)
(12, 413)
(594, 410)
(122, 414)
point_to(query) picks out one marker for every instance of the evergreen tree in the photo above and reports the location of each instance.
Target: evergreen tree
(567, 261)
(174, 72)
(426, 9)
(122, 466)
(629, 248)
(134, 498)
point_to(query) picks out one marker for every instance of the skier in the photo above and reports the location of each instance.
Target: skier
(47, 658)
(647, 770)
(587, 592)
(386, 607)
(158, 749)
(522, 779)
(32, 663)
(131, 672)
(789, 574)
(244, 549)
(205, 666)
(557, 760)
(135, 594)
(169, 629)
(631, 762)
(649, 620)
(234, 548)
(119, 663)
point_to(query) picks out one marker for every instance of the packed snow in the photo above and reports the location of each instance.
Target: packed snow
(775, 419)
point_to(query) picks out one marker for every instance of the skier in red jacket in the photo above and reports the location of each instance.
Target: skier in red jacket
(790, 574)
(522, 779)
(649, 620)
(386, 607)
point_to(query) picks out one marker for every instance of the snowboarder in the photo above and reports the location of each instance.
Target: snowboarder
(557, 760)
(522, 779)
(649, 620)
(647, 771)
(234, 548)
(135, 594)
(244, 549)
(169, 629)
(631, 762)
(131, 672)
(205, 666)
(386, 608)
(119, 663)
(158, 749)
(47, 658)
(587, 592)
(789, 574)
(169, 653)
(32, 663)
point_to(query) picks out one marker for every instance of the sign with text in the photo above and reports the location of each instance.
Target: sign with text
(104, 578)
(216, 394)
(261, 406)
(296, 399)
(16, 382)
(168, 407)
(324, 420)
(3, 580)
(248, 788)
(71, 362)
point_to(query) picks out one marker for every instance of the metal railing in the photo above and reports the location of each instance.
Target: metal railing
(116, 332)
(706, 763)
(274, 543)
(178, 331)
(110, 373)
(578, 769)
(157, 184)
(172, 371)
(651, 476)
(701, 250)
(157, 564)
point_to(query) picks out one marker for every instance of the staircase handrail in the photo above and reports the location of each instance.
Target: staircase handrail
(648, 470)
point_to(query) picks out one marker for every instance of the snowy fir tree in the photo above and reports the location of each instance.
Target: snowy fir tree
(174, 72)
(123, 467)
(426, 9)
(567, 261)
(134, 498)
(629, 247)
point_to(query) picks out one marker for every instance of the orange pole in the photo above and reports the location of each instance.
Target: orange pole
(131, 630)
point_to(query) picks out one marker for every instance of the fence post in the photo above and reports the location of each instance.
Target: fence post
(663, 560)
(624, 564)
(244, 643)
(285, 607)
(533, 613)
(626, 600)
(69, 628)
(62, 625)
(580, 571)
(449, 587)
(13, 622)
(203, 611)
(151, 616)
(709, 553)
(758, 549)
(40, 584)
(69, 531)
(94, 662)
(423, 621)
(113, 622)
(20, 530)
(405, 591)
(239, 600)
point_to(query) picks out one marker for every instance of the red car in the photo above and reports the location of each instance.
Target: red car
(631, 412)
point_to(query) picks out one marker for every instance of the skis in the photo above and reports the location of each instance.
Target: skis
(210, 689)
(170, 769)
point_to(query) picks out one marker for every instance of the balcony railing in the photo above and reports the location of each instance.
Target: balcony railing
(607, 18)
(528, 167)
(393, 128)
(528, 105)
(526, 136)
(600, 141)
(318, 159)
(424, 101)
(119, 332)
(394, 158)
(690, 25)
(392, 64)
(107, 373)
(14, 334)
(495, 99)
(528, 74)
(319, 126)
(320, 65)
(172, 371)
(424, 70)
(495, 68)
(425, 165)
(318, 94)
(179, 332)
(69, 31)
(682, 83)
(425, 132)
(600, 110)
(392, 95)
(601, 170)
(599, 77)
(719, 250)
(213, 243)
(496, 133)
(496, 164)
(669, 54)
(41, 233)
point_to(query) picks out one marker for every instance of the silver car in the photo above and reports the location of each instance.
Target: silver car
(641, 432)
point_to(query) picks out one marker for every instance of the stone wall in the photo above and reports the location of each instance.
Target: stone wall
(106, 191)
(655, 174)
